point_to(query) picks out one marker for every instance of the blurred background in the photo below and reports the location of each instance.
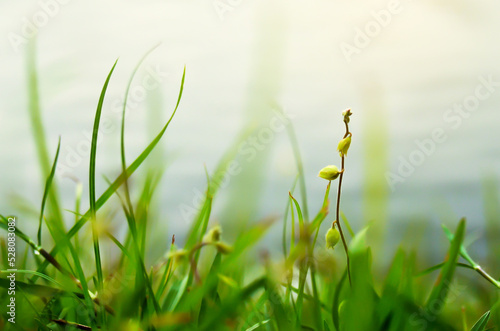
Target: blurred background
(421, 78)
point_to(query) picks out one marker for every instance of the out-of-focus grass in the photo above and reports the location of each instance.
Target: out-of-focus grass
(376, 149)
(209, 283)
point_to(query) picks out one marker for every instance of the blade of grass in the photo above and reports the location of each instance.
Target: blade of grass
(141, 275)
(300, 166)
(36, 248)
(336, 300)
(473, 264)
(118, 181)
(285, 218)
(122, 132)
(491, 207)
(232, 303)
(480, 325)
(38, 129)
(438, 295)
(439, 266)
(48, 183)
(346, 222)
(92, 170)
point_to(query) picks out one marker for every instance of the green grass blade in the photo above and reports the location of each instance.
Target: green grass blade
(438, 295)
(347, 224)
(300, 166)
(439, 266)
(119, 180)
(473, 264)
(285, 218)
(336, 300)
(122, 131)
(38, 129)
(50, 279)
(362, 293)
(48, 183)
(92, 170)
(376, 147)
(316, 299)
(4, 224)
(491, 207)
(480, 325)
(299, 211)
(232, 303)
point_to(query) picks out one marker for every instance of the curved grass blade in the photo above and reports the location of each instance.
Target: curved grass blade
(48, 183)
(118, 181)
(480, 325)
(122, 131)
(299, 211)
(92, 198)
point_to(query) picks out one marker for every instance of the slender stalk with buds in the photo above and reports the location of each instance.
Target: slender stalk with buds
(330, 173)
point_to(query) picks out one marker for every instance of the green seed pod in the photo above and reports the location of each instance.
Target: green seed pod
(343, 146)
(330, 172)
(332, 237)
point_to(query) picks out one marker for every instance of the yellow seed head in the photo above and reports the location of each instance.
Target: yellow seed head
(223, 248)
(332, 237)
(213, 235)
(330, 172)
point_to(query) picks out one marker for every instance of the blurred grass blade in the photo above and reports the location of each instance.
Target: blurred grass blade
(438, 295)
(300, 166)
(491, 207)
(480, 325)
(362, 293)
(336, 300)
(38, 129)
(122, 131)
(48, 183)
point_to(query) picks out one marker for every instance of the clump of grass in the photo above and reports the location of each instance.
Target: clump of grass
(208, 283)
